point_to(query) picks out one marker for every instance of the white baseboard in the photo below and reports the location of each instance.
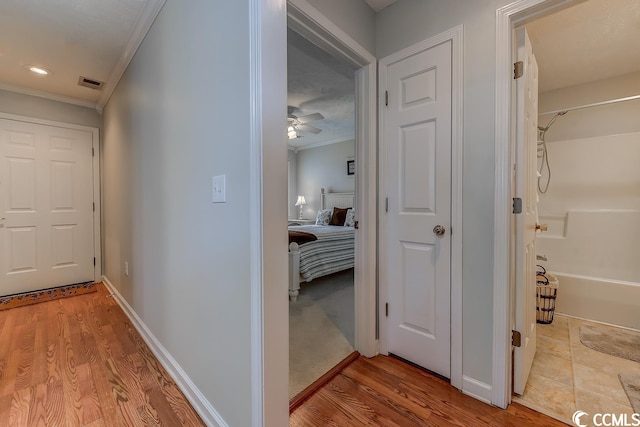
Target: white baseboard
(476, 389)
(207, 412)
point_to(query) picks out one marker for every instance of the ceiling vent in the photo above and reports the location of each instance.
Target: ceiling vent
(90, 83)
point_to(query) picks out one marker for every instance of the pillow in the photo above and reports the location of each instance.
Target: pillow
(350, 218)
(323, 217)
(339, 214)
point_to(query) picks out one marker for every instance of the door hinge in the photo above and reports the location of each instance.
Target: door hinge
(386, 309)
(94, 206)
(518, 69)
(386, 204)
(93, 152)
(517, 205)
(516, 339)
(94, 261)
(386, 97)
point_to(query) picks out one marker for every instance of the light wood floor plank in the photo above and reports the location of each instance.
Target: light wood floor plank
(79, 361)
(385, 391)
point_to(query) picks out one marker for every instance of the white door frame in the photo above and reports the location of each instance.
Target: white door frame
(315, 27)
(507, 18)
(456, 36)
(95, 141)
(268, 88)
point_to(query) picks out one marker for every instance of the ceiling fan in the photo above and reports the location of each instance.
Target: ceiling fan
(297, 124)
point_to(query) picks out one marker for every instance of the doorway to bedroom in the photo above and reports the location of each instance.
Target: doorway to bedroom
(321, 211)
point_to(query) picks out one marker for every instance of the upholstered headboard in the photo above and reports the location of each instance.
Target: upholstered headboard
(339, 200)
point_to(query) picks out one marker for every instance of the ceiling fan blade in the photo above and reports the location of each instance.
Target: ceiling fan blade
(310, 129)
(310, 118)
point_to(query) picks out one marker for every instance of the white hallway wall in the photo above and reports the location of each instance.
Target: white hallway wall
(46, 109)
(403, 24)
(165, 136)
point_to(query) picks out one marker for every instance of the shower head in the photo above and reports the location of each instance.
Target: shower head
(552, 121)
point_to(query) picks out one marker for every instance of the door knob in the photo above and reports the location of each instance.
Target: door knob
(439, 230)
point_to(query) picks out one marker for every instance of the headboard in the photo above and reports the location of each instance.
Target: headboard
(339, 200)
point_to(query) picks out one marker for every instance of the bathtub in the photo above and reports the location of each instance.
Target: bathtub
(595, 254)
(614, 302)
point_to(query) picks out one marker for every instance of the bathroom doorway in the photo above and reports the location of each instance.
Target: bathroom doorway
(589, 206)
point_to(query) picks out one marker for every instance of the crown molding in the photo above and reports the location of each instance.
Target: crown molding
(147, 16)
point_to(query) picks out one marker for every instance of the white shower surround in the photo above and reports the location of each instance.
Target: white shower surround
(592, 209)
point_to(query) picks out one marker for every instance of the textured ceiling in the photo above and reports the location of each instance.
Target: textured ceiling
(592, 40)
(68, 37)
(319, 83)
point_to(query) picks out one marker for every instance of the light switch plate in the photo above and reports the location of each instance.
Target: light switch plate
(219, 189)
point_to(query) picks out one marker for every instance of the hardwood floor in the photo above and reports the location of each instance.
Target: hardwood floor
(79, 362)
(384, 391)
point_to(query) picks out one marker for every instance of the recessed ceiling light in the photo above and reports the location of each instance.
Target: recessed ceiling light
(38, 70)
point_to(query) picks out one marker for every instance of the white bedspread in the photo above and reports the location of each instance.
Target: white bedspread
(332, 252)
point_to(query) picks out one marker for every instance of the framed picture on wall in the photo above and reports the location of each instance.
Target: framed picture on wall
(351, 167)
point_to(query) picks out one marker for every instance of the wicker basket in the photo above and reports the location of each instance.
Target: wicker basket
(546, 294)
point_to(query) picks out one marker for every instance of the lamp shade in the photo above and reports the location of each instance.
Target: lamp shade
(301, 201)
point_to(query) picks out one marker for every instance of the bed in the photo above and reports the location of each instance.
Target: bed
(320, 250)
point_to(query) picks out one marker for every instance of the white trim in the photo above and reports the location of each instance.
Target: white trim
(95, 138)
(456, 35)
(148, 14)
(49, 95)
(366, 237)
(457, 139)
(315, 27)
(476, 389)
(506, 19)
(255, 217)
(322, 144)
(195, 397)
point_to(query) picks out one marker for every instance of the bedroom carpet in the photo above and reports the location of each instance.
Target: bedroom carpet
(334, 293)
(321, 329)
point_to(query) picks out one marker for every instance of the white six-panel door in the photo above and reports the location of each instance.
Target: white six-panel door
(46, 206)
(417, 180)
(525, 223)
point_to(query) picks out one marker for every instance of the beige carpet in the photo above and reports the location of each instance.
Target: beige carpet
(614, 341)
(315, 345)
(631, 384)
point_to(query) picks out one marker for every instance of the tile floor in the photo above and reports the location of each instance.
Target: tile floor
(567, 376)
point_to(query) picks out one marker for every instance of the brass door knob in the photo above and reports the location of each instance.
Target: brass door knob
(439, 230)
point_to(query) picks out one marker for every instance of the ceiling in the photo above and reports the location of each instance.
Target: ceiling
(71, 38)
(319, 83)
(592, 40)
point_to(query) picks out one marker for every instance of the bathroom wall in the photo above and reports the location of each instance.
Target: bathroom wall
(592, 206)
